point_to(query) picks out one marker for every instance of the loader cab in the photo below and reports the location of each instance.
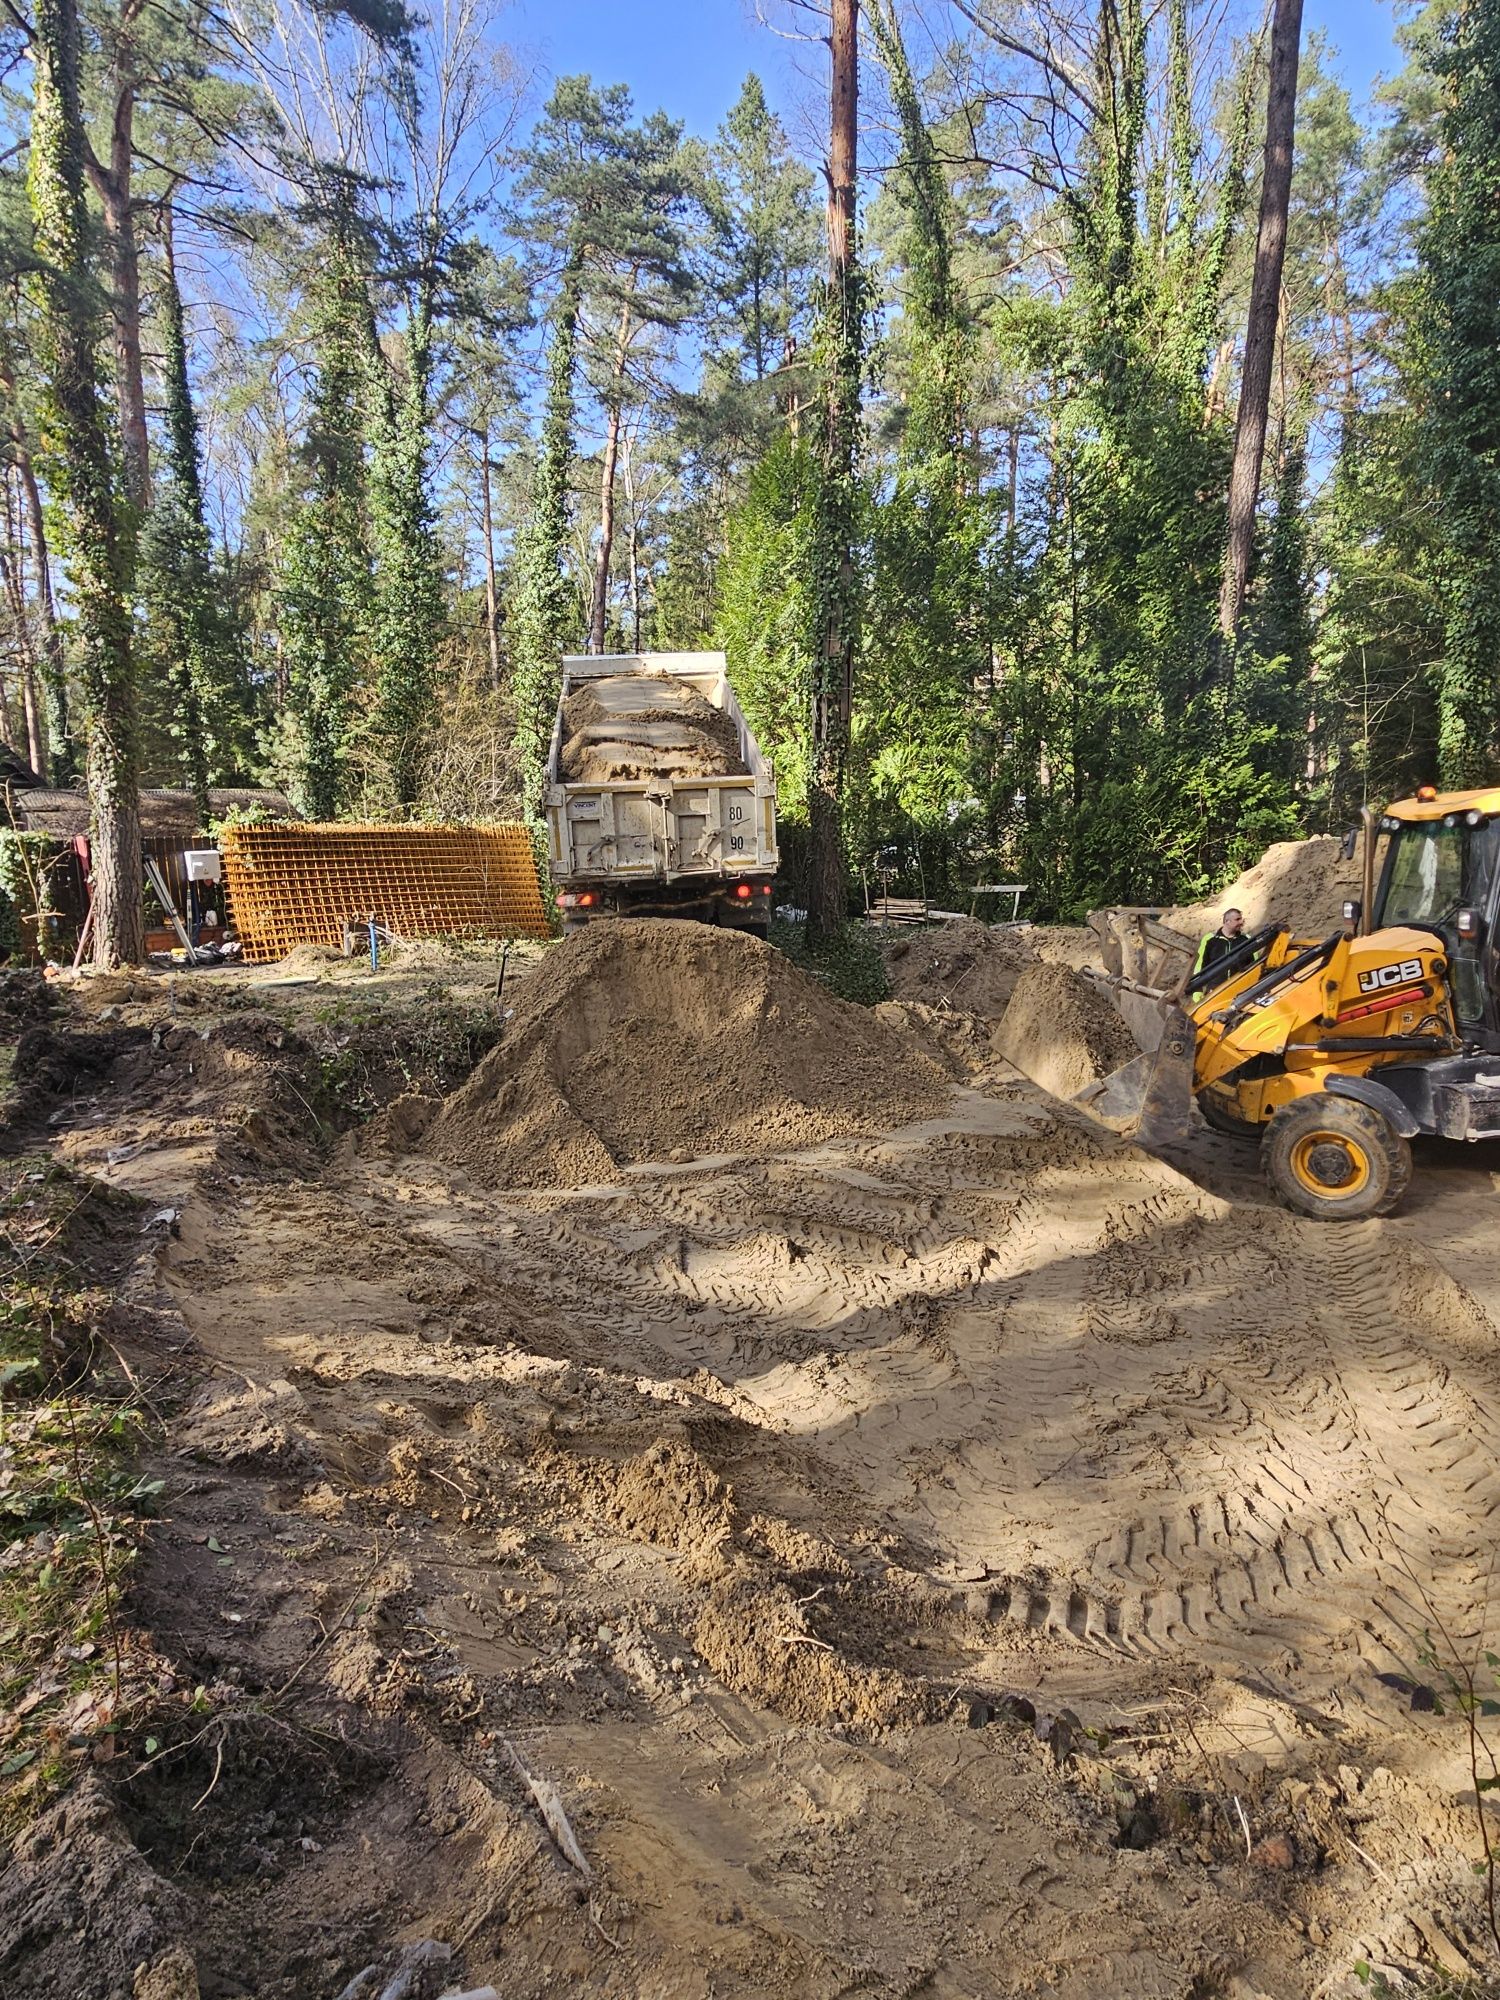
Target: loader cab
(1442, 873)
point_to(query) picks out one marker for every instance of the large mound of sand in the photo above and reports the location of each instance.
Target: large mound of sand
(1061, 1031)
(961, 965)
(1299, 883)
(647, 1039)
(626, 727)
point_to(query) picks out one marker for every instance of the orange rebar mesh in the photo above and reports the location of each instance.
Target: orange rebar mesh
(301, 884)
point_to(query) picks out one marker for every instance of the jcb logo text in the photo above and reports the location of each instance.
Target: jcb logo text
(1390, 975)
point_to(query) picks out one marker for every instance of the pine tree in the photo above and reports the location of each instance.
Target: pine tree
(763, 239)
(76, 462)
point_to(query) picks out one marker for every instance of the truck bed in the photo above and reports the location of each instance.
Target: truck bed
(690, 793)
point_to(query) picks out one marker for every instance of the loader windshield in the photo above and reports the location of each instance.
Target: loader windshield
(1432, 871)
(1424, 875)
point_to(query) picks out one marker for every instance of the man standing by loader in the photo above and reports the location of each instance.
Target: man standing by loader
(1218, 944)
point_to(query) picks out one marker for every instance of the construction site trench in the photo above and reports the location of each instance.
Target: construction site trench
(737, 1494)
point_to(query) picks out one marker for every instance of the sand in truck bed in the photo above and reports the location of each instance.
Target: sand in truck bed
(627, 727)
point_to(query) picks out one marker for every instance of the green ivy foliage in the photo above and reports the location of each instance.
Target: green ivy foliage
(326, 580)
(544, 615)
(409, 605)
(1457, 332)
(191, 639)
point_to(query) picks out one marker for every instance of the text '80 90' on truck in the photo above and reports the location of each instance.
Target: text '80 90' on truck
(659, 801)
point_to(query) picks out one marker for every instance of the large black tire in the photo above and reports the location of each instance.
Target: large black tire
(1225, 1121)
(1335, 1159)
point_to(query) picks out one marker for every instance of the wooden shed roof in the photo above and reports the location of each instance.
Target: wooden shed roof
(164, 815)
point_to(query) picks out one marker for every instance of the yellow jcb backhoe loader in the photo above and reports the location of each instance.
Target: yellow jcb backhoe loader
(1335, 1052)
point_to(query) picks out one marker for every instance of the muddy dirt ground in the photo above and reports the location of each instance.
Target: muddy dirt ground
(961, 1558)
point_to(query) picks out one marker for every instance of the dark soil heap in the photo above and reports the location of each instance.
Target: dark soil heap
(652, 1039)
(627, 727)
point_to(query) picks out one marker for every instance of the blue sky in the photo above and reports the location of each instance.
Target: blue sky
(689, 57)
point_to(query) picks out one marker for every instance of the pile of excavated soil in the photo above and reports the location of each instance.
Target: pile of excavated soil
(1061, 1031)
(632, 726)
(963, 965)
(1299, 883)
(656, 1039)
(967, 1045)
(1073, 945)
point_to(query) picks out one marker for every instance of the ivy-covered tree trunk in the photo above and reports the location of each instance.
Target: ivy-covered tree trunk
(615, 396)
(491, 593)
(937, 336)
(542, 620)
(326, 574)
(75, 458)
(113, 184)
(1458, 345)
(176, 570)
(408, 574)
(836, 593)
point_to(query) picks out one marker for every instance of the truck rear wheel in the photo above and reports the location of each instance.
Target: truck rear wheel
(1335, 1159)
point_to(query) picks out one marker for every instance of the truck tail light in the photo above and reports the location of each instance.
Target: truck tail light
(743, 891)
(585, 900)
(765, 888)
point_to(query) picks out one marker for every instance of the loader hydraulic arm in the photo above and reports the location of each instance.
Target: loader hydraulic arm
(1312, 959)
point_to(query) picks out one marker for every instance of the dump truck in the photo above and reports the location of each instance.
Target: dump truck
(1334, 1052)
(659, 800)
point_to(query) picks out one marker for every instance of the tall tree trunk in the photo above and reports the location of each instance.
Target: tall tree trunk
(633, 548)
(599, 611)
(491, 596)
(188, 623)
(77, 447)
(114, 185)
(58, 765)
(13, 575)
(1260, 327)
(836, 592)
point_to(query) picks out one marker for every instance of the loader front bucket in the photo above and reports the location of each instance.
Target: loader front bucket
(1150, 1098)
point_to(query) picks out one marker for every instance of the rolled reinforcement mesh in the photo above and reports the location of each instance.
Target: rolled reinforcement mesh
(303, 884)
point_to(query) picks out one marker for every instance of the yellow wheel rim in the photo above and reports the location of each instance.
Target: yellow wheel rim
(1331, 1165)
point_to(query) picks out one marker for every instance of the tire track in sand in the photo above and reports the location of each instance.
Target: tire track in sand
(1161, 1424)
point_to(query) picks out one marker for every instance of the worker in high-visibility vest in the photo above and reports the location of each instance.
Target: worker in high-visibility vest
(1218, 944)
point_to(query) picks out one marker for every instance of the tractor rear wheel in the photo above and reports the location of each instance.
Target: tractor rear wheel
(1334, 1158)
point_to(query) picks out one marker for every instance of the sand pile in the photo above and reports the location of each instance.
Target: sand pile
(1061, 1031)
(964, 966)
(1300, 883)
(652, 1039)
(626, 727)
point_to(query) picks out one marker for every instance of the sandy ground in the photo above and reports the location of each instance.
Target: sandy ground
(957, 1559)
